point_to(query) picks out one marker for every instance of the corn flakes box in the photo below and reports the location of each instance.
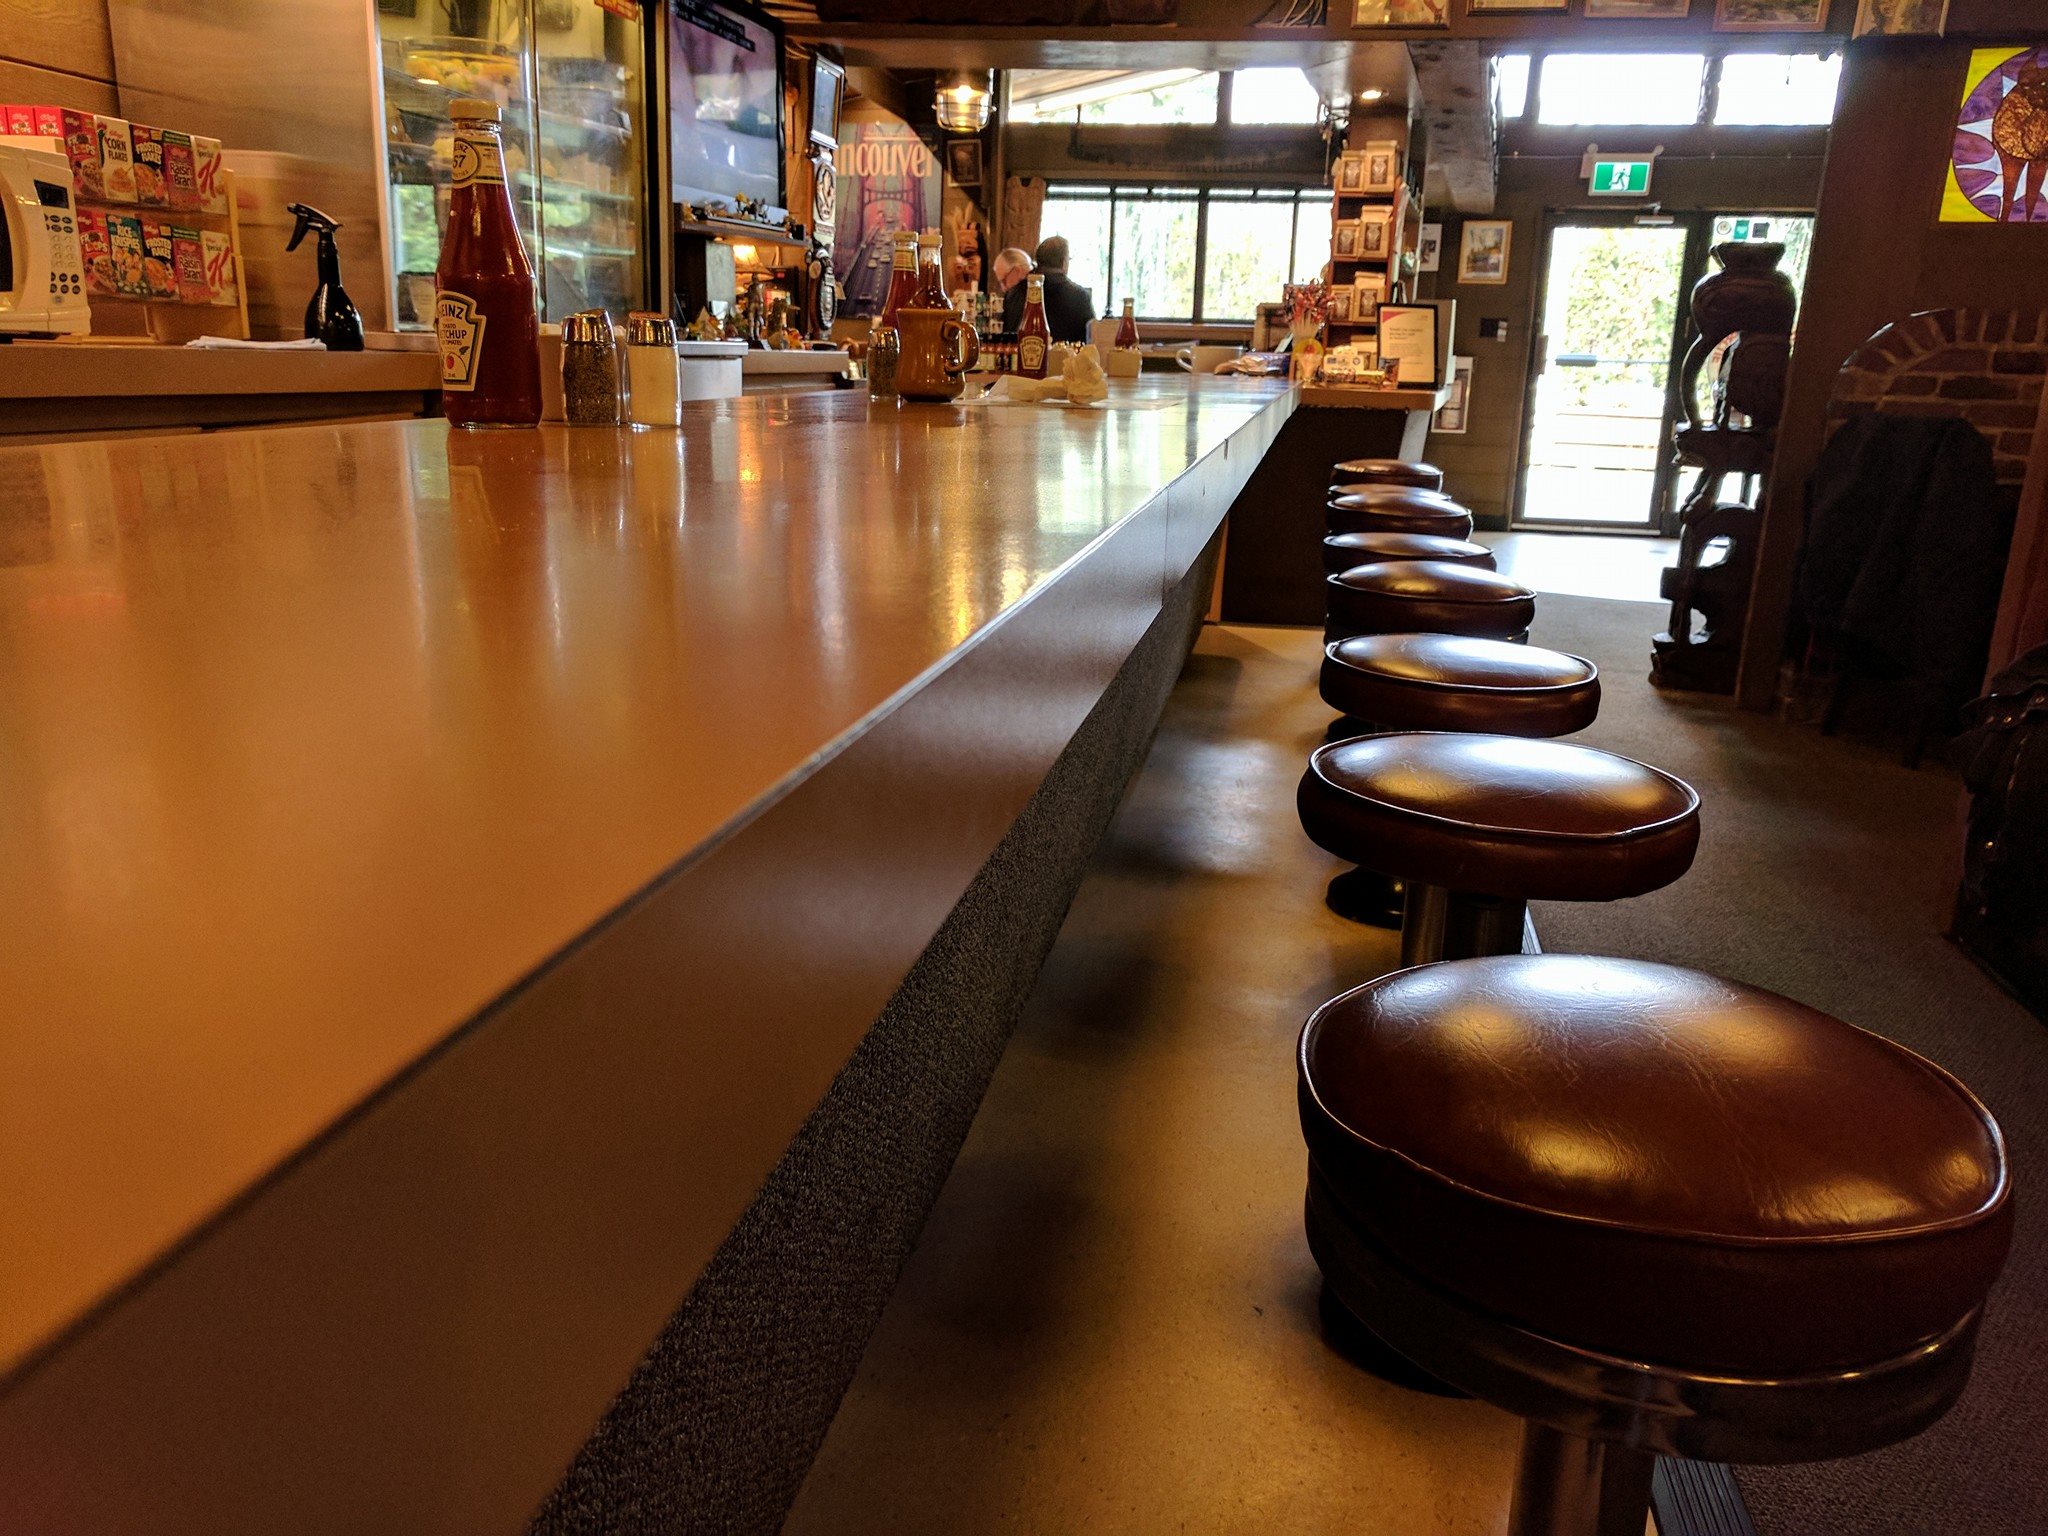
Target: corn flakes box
(181, 171)
(96, 254)
(220, 266)
(159, 260)
(117, 160)
(188, 263)
(148, 146)
(124, 245)
(213, 186)
(82, 149)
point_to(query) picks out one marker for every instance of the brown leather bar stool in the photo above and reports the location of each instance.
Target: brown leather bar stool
(1341, 551)
(1433, 597)
(1480, 826)
(1386, 472)
(1651, 1213)
(1397, 510)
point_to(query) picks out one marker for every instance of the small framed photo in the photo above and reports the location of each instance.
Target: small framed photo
(963, 162)
(1338, 311)
(1344, 239)
(1487, 7)
(1402, 13)
(1454, 413)
(1351, 172)
(1429, 251)
(1770, 15)
(1375, 228)
(1901, 18)
(1637, 10)
(1483, 250)
(1382, 166)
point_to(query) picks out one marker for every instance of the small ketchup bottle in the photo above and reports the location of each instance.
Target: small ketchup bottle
(1127, 329)
(902, 276)
(1034, 339)
(484, 315)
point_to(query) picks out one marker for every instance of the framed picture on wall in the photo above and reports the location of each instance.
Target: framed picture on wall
(1408, 332)
(1485, 7)
(1402, 13)
(1483, 250)
(1637, 10)
(1456, 411)
(1375, 227)
(1344, 239)
(1770, 15)
(1351, 172)
(1382, 166)
(828, 88)
(963, 162)
(1429, 251)
(1901, 18)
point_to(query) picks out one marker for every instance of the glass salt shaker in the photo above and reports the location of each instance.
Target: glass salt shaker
(653, 370)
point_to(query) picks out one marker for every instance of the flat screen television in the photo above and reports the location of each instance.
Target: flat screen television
(725, 104)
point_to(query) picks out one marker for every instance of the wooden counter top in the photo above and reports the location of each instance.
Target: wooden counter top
(347, 766)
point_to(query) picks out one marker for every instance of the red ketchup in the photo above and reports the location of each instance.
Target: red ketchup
(484, 313)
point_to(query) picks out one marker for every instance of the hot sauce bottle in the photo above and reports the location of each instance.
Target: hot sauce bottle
(484, 315)
(1034, 341)
(1127, 330)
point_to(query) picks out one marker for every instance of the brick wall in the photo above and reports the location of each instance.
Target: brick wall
(1986, 366)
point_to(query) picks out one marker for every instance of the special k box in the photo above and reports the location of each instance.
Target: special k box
(213, 185)
(220, 266)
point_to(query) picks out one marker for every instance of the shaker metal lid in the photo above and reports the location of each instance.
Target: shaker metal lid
(586, 326)
(650, 328)
(472, 109)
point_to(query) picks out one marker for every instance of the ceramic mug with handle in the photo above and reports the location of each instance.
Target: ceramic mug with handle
(932, 359)
(1206, 357)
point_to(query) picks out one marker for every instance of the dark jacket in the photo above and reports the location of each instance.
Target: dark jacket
(1068, 307)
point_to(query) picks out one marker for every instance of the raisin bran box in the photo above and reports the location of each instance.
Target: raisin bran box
(181, 171)
(188, 261)
(159, 260)
(117, 160)
(96, 254)
(148, 145)
(124, 244)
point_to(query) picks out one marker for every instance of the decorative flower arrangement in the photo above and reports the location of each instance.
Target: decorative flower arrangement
(1308, 305)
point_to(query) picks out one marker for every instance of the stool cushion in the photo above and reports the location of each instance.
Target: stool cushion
(1433, 597)
(1398, 512)
(1454, 683)
(1387, 472)
(1655, 1163)
(1501, 815)
(1341, 551)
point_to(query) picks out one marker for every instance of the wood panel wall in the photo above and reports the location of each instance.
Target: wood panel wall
(57, 51)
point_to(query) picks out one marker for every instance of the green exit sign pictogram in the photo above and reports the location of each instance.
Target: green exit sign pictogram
(1621, 178)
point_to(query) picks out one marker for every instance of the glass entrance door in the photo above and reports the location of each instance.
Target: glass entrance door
(1602, 395)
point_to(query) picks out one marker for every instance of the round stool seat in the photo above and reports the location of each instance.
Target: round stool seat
(1454, 683)
(1387, 472)
(1501, 816)
(1397, 511)
(1341, 551)
(1401, 597)
(1651, 1163)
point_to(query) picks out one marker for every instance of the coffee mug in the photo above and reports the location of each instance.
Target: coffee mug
(1206, 358)
(932, 361)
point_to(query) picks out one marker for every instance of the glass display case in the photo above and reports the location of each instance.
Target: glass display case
(570, 77)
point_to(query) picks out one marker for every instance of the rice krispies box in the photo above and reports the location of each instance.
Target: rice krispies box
(124, 247)
(148, 146)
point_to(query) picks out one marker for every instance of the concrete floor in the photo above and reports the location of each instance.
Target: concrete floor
(1109, 1324)
(1627, 569)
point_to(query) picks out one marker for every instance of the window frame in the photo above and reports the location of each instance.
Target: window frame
(1290, 198)
(1710, 90)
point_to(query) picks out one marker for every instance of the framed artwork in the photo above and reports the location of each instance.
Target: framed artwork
(1429, 252)
(1770, 15)
(1382, 166)
(1637, 10)
(828, 89)
(1483, 250)
(1995, 172)
(1375, 227)
(1344, 239)
(1901, 18)
(1338, 310)
(963, 162)
(1408, 333)
(1452, 416)
(1402, 13)
(1484, 7)
(1351, 172)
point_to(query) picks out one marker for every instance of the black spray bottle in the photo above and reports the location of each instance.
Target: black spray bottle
(331, 316)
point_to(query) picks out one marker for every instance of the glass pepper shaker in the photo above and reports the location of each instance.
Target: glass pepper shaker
(590, 370)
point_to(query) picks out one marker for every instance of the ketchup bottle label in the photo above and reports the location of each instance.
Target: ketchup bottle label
(478, 163)
(460, 329)
(1031, 354)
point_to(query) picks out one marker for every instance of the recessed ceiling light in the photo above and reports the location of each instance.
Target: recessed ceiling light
(1372, 95)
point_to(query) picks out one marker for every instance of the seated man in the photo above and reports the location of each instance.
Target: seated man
(1068, 306)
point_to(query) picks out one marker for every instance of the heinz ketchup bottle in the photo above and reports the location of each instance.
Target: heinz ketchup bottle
(484, 314)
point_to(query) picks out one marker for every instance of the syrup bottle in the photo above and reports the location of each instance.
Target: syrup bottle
(1034, 340)
(931, 288)
(484, 315)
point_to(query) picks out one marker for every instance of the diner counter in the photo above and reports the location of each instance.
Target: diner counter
(443, 871)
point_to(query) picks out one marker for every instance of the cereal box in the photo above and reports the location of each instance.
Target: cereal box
(124, 244)
(82, 149)
(149, 165)
(159, 260)
(97, 255)
(18, 118)
(181, 171)
(213, 186)
(188, 261)
(220, 266)
(117, 160)
(49, 122)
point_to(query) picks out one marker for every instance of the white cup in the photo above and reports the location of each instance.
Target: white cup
(1206, 357)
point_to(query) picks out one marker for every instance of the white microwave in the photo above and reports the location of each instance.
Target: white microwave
(42, 275)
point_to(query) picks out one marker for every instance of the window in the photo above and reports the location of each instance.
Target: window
(1511, 84)
(1778, 90)
(1117, 96)
(1593, 89)
(1187, 254)
(1273, 96)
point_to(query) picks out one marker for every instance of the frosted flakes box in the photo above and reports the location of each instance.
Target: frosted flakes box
(117, 160)
(124, 246)
(181, 171)
(148, 146)
(220, 266)
(159, 260)
(213, 186)
(188, 263)
(82, 149)
(96, 254)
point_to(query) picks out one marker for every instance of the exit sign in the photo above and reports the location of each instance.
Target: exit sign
(1621, 178)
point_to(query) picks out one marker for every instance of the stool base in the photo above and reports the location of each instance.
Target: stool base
(1344, 1332)
(1568, 1486)
(1441, 924)
(1366, 896)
